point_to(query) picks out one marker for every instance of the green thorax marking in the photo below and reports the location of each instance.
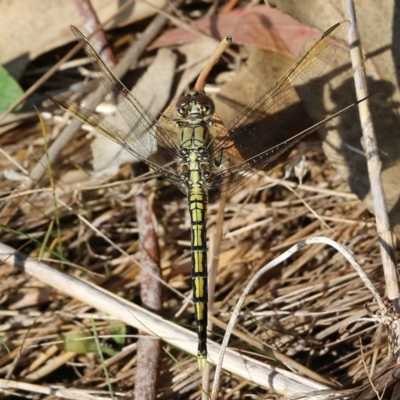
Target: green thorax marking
(194, 113)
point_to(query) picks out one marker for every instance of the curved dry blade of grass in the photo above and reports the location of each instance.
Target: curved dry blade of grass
(273, 264)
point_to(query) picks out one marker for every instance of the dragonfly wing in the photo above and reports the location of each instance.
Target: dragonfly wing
(226, 181)
(136, 148)
(263, 117)
(145, 132)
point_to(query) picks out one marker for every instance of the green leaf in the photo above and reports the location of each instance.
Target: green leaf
(120, 334)
(10, 91)
(78, 342)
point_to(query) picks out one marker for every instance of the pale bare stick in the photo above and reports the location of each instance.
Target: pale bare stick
(201, 80)
(215, 248)
(374, 164)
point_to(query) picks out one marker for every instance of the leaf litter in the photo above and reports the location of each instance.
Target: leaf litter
(311, 315)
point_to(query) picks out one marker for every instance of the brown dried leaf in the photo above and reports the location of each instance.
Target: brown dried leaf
(377, 23)
(259, 26)
(34, 28)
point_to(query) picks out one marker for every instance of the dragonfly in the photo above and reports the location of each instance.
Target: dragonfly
(190, 146)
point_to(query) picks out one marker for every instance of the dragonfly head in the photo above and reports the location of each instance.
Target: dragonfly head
(194, 103)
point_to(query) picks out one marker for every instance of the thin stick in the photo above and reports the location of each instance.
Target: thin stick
(92, 24)
(256, 372)
(201, 80)
(215, 248)
(149, 349)
(373, 163)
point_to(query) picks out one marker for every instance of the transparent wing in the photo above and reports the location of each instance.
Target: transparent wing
(146, 139)
(223, 183)
(116, 135)
(263, 117)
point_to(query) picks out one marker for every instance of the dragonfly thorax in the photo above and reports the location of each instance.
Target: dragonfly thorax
(195, 136)
(194, 170)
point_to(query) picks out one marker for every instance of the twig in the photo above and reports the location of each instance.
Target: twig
(374, 164)
(49, 390)
(92, 25)
(215, 248)
(283, 382)
(149, 350)
(229, 6)
(201, 80)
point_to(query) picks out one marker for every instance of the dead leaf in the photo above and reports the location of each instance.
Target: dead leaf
(342, 138)
(34, 28)
(259, 26)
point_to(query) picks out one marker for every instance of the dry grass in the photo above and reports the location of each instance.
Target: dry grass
(308, 315)
(311, 309)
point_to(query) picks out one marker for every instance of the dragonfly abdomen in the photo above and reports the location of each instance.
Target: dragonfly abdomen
(197, 201)
(194, 169)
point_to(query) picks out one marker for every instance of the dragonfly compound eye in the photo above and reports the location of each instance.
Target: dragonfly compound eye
(205, 102)
(181, 103)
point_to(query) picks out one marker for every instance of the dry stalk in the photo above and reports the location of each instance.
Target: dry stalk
(281, 381)
(92, 25)
(222, 47)
(373, 162)
(149, 350)
(215, 248)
